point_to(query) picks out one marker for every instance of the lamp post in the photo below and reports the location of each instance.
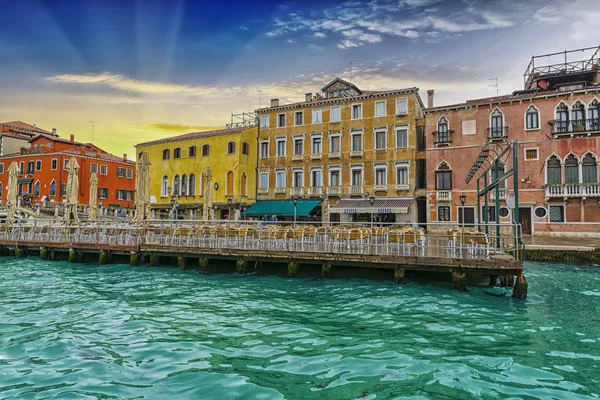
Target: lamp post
(463, 200)
(295, 200)
(215, 207)
(372, 201)
(229, 201)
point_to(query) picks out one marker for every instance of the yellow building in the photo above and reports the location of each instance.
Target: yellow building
(355, 150)
(179, 169)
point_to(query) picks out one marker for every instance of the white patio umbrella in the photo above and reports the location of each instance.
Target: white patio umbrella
(72, 169)
(93, 202)
(208, 202)
(11, 198)
(142, 188)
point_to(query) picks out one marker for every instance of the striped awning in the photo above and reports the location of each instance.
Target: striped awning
(380, 206)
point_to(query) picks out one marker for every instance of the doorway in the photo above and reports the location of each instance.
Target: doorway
(468, 215)
(422, 212)
(525, 220)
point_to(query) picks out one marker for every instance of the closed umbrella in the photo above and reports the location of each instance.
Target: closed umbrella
(93, 203)
(142, 188)
(72, 169)
(208, 202)
(11, 198)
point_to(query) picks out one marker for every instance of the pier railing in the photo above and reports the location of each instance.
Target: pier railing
(447, 240)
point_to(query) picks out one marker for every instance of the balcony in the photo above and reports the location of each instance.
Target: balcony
(356, 153)
(336, 154)
(497, 132)
(334, 191)
(316, 191)
(575, 127)
(443, 195)
(442, 138)
(32, 150)
(298, 157)
(356, 190)
(262, 193)
(573, 190)
(297, 191)
(279, 190)
(316, 156)
(380, 188)
(501, 194)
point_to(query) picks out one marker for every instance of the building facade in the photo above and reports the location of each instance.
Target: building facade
(555, 121)
(42, 173)
(16, 134)
(354, 149)
(179, 167)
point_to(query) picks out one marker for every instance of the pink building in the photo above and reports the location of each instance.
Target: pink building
(557, 125)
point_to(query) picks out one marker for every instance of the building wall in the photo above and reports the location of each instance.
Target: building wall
(218, 160)
(12, 145)
(346, 159)
(462, 152)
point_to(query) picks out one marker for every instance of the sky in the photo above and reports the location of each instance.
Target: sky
(147, 69)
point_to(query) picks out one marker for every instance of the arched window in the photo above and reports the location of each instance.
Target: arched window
(165, 186)
(562, 118)
(52, 188)
(594, 116)
(578, 116)
(177, 153)
(192, 185)
(442, 135)
(571, 170)
(36, 189)
(553, 174)
(230, 183)
(184, 185)
(494, 175)
(192, 151)
(230, 147)
(532, 118)
(1, 187)
(589, 169)
(176, 185)
(205, 150)
(497, 124)
(166, 154)
(244, 185)
(443, 177)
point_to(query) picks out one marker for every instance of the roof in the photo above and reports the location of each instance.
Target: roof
(23, 127)
(59, 139)
(92, 154)
(340, 80)
(196, 135)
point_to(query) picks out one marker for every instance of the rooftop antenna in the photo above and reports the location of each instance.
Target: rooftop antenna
(92, 124)
(494, 85)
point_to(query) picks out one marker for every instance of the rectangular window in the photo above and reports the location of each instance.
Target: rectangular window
(166, 154)
(531, 154)
(65, 163)
(402, 106)
(380, 176)
(334, 177)
(402, 175)
(317, 116)
(38, 165)
(280, 179)
(54, 164)
(380, 109)
(335, 114)
(299, 118)
(263, 181)
(316, 145)
(121, 172)
(357, 177)
(334, 144)
(380, 140)
(557, 213)
(357, 111)
(280, 147)
(245, 148)
(491, 215)
(298, 178)
(402, 138)
(177, 153)
(103, 170)
(298, 146)
(443, 180)
(280, 120)
(129, 173)
(1, 168)
(103, 193)
(63, 189)
(315, 177)
(264, 121)
(94, 169)
(264, 149)
(443, 213)
(357, 141)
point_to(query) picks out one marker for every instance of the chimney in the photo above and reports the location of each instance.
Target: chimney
(72, 138)
(430, 98)
(53, 131)
(274, 102)
(124, 157)
(308, 97)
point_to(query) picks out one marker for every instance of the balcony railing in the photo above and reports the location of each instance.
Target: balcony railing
(32, 150)
(573, 190)
(574, 127)
(262, 193)
(315, 191)
(497, 132)
(501, 194)
(356, 190)
(279, 190)
(443, 195)
(334, 191)
(443, 137)
(335, 154)
(297, 191)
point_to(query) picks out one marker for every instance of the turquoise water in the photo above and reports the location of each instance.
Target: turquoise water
(85, 331)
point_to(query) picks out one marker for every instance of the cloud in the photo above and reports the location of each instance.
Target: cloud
(320, 35)
(347, 44)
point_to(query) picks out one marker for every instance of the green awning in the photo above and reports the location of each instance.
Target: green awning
(20, 181)
(281, 208)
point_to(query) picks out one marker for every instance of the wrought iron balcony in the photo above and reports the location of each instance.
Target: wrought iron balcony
(575, 127)
(497, 132)
(443, 137)
(573, 190)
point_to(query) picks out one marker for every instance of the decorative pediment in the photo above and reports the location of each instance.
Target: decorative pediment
(340, 88)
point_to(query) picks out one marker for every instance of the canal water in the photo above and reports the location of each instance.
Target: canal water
(83, 331)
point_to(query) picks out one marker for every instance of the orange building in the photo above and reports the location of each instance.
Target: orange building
(42, 172)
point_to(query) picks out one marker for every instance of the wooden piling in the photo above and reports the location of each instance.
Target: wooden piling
(293, 268)
(326, 270)
(43, 253)
(203, 262)
(154, 260)
(399, 275)
(181, 261)
(459, 278)
(134, 258)
(72, 256)
(241, 265)
(104, 257)
(521, 286)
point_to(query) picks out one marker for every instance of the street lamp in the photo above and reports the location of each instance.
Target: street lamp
(215, 207)
(295, 200)
(229, 201)
(372, 201)
(463, 200)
